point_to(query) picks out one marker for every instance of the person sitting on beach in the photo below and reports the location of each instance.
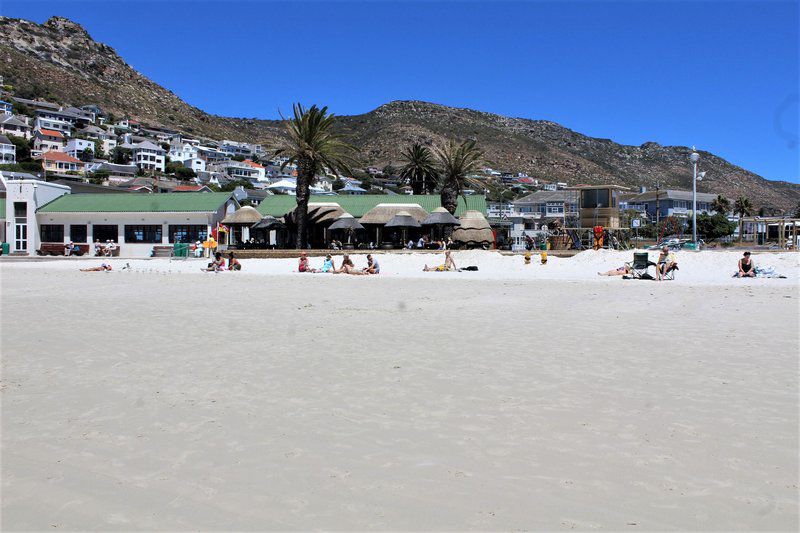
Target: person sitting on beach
(349, 268)
(746, 267)
(110, 247)
(105, 267)
(666, 262)
(303, 265)
(621, 271)
(448, 266)
(98, 248)
(233, 263)
(69, 249)
(217, 264)
(373, 267)
(328, 265)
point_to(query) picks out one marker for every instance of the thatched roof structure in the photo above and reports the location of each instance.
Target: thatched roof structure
(318, 213)
(383, 213)
(441, 217)
(244, 216)
(474, 229)
(269, 223)
(346, 221)
(403, 219)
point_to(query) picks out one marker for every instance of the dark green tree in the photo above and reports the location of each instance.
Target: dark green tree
(456, 161)
(313, 146)
(23, 148)
(420, 170)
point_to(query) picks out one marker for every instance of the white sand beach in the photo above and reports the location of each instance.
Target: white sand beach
(512, 398)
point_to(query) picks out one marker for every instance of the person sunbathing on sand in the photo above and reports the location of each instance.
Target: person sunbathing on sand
(746, 267)
(303, 266)
(621, 271)
(105, 267)
(216, 265)
(449, 265)
(373, 267)
(328, 265)
(349, 268)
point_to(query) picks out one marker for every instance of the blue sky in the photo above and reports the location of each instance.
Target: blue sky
(720, 75)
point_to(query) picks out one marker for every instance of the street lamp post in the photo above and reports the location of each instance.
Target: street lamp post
(694, 158)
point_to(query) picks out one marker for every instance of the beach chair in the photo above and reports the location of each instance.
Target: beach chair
(670, 273)
(640, 266)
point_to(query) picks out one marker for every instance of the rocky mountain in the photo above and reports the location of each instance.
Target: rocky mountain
(59, 61)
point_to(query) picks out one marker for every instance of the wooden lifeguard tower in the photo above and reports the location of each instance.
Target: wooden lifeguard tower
(598, 205)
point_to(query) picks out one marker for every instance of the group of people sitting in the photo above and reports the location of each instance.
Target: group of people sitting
(426, 243)
(218, 263)
(667, 262)
(347, 266)
(106, 249)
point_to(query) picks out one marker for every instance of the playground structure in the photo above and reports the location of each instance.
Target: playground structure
(775, 231)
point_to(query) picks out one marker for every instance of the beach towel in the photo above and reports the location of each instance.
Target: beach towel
(469, 269)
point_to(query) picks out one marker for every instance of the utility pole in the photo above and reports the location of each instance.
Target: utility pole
(658, 204)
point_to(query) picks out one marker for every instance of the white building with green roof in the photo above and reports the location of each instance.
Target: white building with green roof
(40, 212)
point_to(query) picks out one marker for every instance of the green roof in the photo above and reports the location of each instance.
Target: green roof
(137, 203)
(281, 204)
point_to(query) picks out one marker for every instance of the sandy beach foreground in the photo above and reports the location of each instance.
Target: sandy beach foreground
(242, 401)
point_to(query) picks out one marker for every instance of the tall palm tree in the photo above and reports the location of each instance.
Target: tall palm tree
(721, 204)
(455, 162)
(743, 208)
(420, 169)
(311, 144)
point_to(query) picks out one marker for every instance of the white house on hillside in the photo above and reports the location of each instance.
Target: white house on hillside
(149, 156)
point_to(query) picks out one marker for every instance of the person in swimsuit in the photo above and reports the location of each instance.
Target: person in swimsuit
(233, 263)
(303, 265)
(621, 271)
(746, 267)
(216, 265)
(449, 265)
(105, 267)
(327, 265)
(666, 262)
(349, 268)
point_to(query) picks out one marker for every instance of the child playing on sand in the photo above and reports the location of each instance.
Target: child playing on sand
(746, 267)
(216, 265)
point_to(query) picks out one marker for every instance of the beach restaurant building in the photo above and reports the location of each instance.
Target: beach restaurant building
(39, 212)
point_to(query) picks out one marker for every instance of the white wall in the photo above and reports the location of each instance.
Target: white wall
(35, 193)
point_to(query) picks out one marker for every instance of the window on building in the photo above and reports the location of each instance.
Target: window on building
(555, 208)
(105, 232)
(150, 233)
(592, 198)
(77, 233)
(188, 233)
(52, 232)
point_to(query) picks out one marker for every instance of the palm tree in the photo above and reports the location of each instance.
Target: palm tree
(311, 144)
(455, 162)
(721, 204)
(420, 169)
(743, 208)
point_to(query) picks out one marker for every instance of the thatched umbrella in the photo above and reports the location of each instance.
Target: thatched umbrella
(244, 216)
(440, 217)
(346, 222)
(383, 213)
(269, 223)
(403, 220)
(474, 230)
